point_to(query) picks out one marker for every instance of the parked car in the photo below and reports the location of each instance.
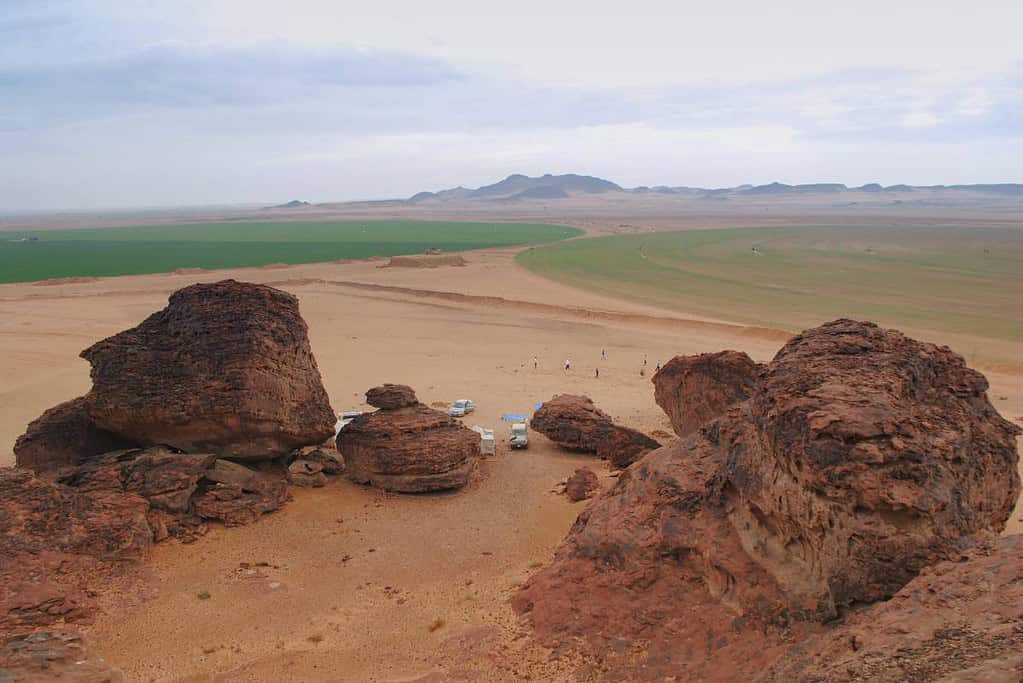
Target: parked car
(461, 407)
(344, 418)
(519, 438)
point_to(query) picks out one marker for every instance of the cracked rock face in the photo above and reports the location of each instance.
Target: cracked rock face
(409, 449)
(860, 457)
(225, 368)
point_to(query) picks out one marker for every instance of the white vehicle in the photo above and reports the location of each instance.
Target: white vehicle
(344, 418)
(487, 444)
(461, 407)
(519, 438)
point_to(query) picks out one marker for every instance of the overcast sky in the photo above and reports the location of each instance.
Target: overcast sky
(121, 103)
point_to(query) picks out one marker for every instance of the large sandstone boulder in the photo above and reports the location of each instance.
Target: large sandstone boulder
(226, 368)
(409, 449)
(64, 435)
(575, 423)
(861, 457)
(693, 390)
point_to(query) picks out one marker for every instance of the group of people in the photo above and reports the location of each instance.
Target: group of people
(596, 370)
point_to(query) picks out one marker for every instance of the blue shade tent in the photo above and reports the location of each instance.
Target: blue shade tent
(537, 406)
(513, 417)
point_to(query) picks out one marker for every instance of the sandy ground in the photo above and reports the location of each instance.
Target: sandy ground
(356, 578)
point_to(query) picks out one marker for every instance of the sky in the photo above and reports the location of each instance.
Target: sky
(109, 104)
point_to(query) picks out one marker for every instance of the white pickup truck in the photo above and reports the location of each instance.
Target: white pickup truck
(461, 407)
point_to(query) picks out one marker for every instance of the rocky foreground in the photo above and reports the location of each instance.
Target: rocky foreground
(223, 375)
(858, 465)
(829, 516)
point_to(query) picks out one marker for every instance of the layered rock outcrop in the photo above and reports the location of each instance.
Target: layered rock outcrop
(693, 390)
(408, 449)
(860, 457)
(225, 368)
(575, 423)
(59, 536)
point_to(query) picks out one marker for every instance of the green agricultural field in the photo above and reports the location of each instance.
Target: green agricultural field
(44, 254)
(961, 280)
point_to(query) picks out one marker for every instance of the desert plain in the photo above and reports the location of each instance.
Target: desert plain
(347, 582)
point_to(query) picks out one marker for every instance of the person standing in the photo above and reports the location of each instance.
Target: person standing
(603, 354)
(568, 364)
(536, 363)
(596, 372)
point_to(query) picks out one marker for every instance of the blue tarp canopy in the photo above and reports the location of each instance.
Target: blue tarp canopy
(513, 417)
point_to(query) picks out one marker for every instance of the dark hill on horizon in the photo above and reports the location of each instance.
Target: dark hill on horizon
(519, 186)
(522, 187)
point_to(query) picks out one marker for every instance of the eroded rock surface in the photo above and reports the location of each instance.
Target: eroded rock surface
(409, 449)
(575, 423)
(63, 436)
(693, 390)
(861, 457)
(225, 368)
(61, 538)
(959, 620)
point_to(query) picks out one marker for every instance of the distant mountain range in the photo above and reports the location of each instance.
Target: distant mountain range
(519, 187)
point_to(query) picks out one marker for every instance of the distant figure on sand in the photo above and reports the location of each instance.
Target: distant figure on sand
(568, 363)
(644, 360)
(603, 354)
(596, 372)
(658, 366)
(535, 363)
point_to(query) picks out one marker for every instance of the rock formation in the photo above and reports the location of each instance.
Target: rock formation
(861, 457)
(957, 621)
(391, 396)
(63, 435)
(693, 390)
(53, 656)
(58, 536)
(225, 368)
(581, 485)
(575, 423)
(408, 449)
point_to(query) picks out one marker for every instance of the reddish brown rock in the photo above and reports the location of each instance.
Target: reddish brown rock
(232, 505)
(575, 423)
(860, 458)
(53, 656)
(53, 538)
(306, 473)
(327, 458)
(581, 485)
(61, 538)
(63, 436)
(391, 396)
(693, 390)
(956, 621)
(409, 449)
(226, 368)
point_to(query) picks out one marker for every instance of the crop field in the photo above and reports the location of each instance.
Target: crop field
(960, 280)
(37, 255)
